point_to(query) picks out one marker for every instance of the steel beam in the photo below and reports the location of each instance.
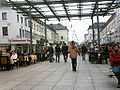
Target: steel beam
(51, 9)
(98, 27)
(31, 46)
(93, 32)
(93, 10)
(36, 10)
(109, 7)
(64, 16)
(66, 10)
(45, 32)
(59, 2)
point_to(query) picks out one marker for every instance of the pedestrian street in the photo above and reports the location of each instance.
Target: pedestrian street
(58, 76)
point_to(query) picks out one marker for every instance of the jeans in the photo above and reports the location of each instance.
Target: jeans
(50, 57)
(65, 55)
(74, 63)
(57, 56)
(83, 56)
(116, 71)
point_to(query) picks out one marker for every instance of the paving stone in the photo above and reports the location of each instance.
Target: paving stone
(58, 76)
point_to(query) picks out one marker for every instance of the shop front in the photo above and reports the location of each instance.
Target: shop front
(21, 44)
(3, 47)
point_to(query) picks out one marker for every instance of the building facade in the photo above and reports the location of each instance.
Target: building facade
(107, 34)
(62, 31)
(117, 23)
(111, 31)
(15, 31)
(90, 33)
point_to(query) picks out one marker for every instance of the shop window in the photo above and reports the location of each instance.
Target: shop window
(4, 16)
(5, 31)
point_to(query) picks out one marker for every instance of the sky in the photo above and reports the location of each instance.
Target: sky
(79, 27)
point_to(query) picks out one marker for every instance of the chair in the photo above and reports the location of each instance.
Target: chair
(21, 60)
(5, 65)
(32, 58)
(26, 60)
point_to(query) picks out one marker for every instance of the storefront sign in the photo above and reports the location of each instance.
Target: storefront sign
(18, 40)
(21, 41)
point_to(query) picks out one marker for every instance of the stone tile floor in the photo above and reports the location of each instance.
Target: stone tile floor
(58, 76)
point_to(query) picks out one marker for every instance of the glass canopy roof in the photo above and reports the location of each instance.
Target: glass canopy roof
(64, 9)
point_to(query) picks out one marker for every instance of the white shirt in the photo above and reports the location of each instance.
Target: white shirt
(14, 56)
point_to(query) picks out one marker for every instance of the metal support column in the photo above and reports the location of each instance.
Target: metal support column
(31, 46)
(98, 27)
(45, 33)
(93, 33)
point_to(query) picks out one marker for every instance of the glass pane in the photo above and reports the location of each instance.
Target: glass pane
(5, 31)
(4, 16)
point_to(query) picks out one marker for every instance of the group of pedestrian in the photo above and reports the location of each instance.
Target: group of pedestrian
(72, 49)
(58, 51)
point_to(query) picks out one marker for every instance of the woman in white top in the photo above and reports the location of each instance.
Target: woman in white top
(14, 57)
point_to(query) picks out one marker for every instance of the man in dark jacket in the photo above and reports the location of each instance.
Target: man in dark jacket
(84, 51)
(115, 62)
(57, 52)
(65, 51)
(51, 51)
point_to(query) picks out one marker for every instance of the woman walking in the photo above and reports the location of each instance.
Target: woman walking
(73, 50)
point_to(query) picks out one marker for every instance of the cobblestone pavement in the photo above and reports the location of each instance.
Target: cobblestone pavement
(58, 76)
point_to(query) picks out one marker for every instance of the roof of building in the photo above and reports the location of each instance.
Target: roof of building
(101, 25)
(58, 26)
(109, 20)
(1, 2)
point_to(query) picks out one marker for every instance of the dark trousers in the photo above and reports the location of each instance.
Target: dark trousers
(15, 62)
(106, 57)
(83, 56)
(65, 55)
(74, 63)
(50, 57)
(57, 56)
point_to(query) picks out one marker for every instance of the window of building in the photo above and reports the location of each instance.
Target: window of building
(61, 37)
(23, 33)
(25, 21)
(5, 31)
(17, 17)
(20, 33)
(34, 26)
(4, 16)
(27, 34)
(22, 20)
(28, 23)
